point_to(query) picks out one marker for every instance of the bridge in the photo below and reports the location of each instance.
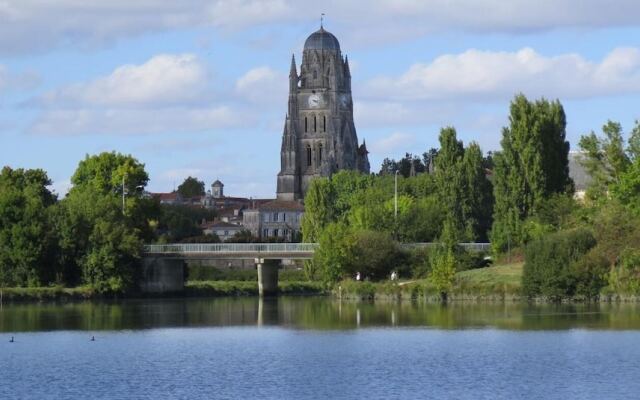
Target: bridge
(163, 264)
(272, 251)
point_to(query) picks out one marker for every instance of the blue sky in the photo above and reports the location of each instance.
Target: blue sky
(199, 87)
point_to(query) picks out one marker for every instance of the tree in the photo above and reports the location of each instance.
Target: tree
(191, 187)
(531, 166)
(463, 188)
(105, 172)
(606, 159)
(177, 222)
(332, 258)
(97, 237)
(319, 209)
(27, 244)
(409, 165)
(443, 271)
(477, 198)
(449, 182)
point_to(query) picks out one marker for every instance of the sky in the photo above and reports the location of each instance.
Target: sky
(199, 87)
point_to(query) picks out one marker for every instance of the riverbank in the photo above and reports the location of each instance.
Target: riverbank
(191, 289)
(496, 283)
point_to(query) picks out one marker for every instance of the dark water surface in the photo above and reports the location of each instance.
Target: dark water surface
(317, 348)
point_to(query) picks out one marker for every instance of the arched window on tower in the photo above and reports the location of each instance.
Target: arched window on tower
(324, 123)
(320, 154)
(308, 156)
(315, 74)
(306, 125)
(315, 124)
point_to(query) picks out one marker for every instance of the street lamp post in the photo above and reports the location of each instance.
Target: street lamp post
(395, 199)
(123, 176)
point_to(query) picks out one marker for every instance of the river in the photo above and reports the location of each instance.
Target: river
(317, 348)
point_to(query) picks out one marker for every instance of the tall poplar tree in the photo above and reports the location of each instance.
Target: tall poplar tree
(463, 189)
(532, 165)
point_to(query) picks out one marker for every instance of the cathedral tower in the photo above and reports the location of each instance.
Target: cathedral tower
(319, 136)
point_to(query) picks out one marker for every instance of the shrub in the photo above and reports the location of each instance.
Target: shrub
(374, 254)
(548, 267)
(443, 271)
(625, 277)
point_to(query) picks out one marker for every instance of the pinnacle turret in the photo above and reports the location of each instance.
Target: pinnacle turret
(347, 71)
(293, 72)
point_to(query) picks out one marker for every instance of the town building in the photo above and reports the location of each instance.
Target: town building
(224, 230)
(276, 219)
(319, 136)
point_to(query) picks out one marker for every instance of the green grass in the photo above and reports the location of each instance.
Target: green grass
(495, 282)
(500, 280)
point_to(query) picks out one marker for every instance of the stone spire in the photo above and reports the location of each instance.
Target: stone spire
(347, 71)
(293, 75)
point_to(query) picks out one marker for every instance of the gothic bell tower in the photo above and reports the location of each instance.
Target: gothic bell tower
(319, 136)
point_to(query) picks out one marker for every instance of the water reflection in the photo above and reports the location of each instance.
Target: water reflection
(310, 313)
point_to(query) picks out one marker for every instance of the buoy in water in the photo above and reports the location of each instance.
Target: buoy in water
(93, 339)
(11, 341)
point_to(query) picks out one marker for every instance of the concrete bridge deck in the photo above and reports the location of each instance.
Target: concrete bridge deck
(163, 264)
(274, 251)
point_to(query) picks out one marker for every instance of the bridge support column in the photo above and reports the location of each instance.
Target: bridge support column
(267, 277)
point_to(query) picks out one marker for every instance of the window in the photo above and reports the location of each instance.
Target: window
(306, 124)
(275, 232)
(315, 124)
(265, 217)
(265, 232)
(308, 156)
(226, 233)
(284, 217)
(324, 123)
(315, 74)
(319, 154)
(275, 216)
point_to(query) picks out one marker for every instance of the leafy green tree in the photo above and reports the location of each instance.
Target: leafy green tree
(191, 187)
(96, 236)
(373, 254)
(332, 257)
(549, 268)
(177, 222)
(605, 159)
(319, 209)
(443, 271)
(105, 172)
(463, 188)
(27, 244)
(531, 166)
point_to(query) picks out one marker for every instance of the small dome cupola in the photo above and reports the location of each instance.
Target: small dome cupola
(322, 40)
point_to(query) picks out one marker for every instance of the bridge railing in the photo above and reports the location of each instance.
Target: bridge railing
(242, 248)
(230, 248)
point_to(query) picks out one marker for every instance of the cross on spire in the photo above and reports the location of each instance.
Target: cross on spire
(321, 20)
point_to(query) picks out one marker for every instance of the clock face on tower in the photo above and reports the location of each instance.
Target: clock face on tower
(314, 101)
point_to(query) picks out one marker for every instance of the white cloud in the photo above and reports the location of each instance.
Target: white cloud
(36, 25)
(164, 79)
(135, 121)
(395, 141)
(263, 85)
(168, 93)
(477, 74)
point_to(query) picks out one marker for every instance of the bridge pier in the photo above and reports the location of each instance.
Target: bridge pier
(267, 277)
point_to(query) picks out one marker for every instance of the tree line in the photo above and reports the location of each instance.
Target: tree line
(520, 198)
(94, 235)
